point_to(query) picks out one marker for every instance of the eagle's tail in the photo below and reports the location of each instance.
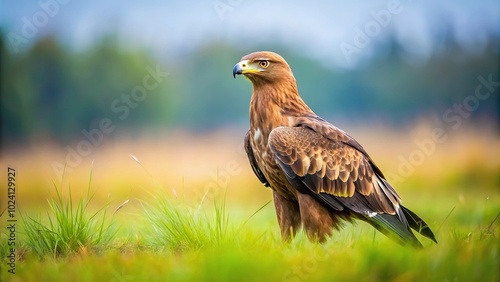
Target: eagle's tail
(393, 227)
(418, 224)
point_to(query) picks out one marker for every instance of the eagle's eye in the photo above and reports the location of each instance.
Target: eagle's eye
(264, 64)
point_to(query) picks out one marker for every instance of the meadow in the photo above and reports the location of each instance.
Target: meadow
(187, 207)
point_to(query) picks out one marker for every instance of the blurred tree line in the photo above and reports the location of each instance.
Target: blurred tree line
(53, 92)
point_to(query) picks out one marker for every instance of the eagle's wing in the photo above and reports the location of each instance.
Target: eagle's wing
(318, 158)
(253, 162)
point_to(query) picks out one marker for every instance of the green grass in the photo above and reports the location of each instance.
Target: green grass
(175, 226)
(68, 227)
(161, 238)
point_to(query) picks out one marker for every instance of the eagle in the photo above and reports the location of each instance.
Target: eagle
(320, 176)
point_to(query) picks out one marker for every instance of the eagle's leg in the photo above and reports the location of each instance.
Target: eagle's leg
(288, 214)
(317, 219)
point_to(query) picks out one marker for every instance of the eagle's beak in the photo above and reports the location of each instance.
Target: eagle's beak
(237, 70)
(244, 67)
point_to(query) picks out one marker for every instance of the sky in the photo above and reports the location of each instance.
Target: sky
(338, 33)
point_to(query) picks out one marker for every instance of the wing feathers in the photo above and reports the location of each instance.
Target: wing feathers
(344, 175)
(344, 172)
(326, 166)
(253, 162)
(341, 175)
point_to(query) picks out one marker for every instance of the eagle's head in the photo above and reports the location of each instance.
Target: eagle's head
(264, 67)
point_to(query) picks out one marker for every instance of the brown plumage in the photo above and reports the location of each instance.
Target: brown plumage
(319, 174)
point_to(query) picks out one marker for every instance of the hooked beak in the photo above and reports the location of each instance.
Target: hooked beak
(245, 67)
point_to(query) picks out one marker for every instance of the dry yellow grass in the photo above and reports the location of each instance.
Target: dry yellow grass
(193, 166)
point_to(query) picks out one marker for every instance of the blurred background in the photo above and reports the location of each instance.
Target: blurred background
(95, 81)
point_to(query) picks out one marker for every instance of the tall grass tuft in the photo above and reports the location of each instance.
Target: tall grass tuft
(176, 226)
(173, 225)
(68, 228)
